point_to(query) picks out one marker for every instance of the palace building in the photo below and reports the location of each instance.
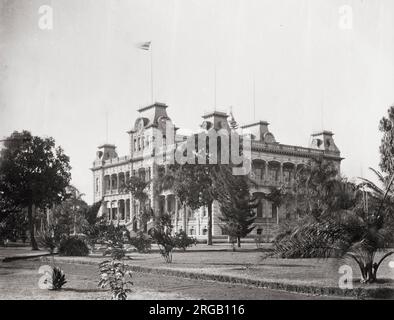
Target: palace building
(273, 165)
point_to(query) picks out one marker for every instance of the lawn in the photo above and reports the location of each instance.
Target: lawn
(249, 262)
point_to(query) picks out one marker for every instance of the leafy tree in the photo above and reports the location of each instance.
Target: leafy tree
(236, 204)
(359, 231)
(311, 192)
(387, 143)
(34, 174)
(195, 187)
(138, 189)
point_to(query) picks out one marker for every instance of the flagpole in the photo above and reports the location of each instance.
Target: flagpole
(214, 75)
(151, 70)
(254, 98)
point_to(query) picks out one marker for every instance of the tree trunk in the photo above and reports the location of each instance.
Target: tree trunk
(30, 217)
(209, 227)
(239, 242)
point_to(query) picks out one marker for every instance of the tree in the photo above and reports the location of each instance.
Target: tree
(387, 143)
(358, 231)
(236, 204)
(137, 187)
(195, 187)
(312, 192)
(34, 174)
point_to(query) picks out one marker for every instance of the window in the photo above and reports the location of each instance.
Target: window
(274, 211)
(97, 184)
(260, 210)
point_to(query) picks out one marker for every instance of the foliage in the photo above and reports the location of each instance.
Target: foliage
(94, 226)
(48, 240)
(236, 204)
(58, 278)
(141, 242)
(358, 231)
(194, 186)
(13, 225)
(73, 246)
(69, 215)
(138, 189)
(161, 234)
(183, 241)
(91, 214)
(387, 143)
(114, 274)
(34, 173)
(314, 189)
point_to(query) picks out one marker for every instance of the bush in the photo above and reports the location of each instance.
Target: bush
(58, 278)
(161, 234)
(182, 241)
(73, 246)
(115, 275)
(141, 242)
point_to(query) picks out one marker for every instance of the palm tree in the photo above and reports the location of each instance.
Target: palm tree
(358, 231)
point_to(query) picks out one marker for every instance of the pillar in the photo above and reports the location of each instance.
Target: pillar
(281, 172)
(266, 171)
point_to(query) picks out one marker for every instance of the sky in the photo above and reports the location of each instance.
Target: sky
(301, 65)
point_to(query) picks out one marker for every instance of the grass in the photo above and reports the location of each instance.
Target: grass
(248, 266)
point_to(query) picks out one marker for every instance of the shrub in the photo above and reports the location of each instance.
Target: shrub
(161, 234)
(114, 274)
(73, 246)
(141, 242)
(58, 278)
(182, 241)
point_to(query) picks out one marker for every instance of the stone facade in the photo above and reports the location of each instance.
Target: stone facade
(273, 164)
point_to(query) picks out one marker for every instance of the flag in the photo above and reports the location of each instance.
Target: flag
(144, 45)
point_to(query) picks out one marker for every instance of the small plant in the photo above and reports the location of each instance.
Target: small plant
(73, 246)
(114, 274)
(183, 241)
(141, 242)
(58, 278)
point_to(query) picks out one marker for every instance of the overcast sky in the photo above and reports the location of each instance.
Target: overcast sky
(312, 71)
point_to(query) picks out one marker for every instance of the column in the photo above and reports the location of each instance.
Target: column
(166, 204)
(184, 218)
(281, 172)
(176, 214)
(118, 209)
(130, 213)
(266, 171)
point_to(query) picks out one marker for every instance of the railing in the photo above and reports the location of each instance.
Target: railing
(289, 148)
(117, 160)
